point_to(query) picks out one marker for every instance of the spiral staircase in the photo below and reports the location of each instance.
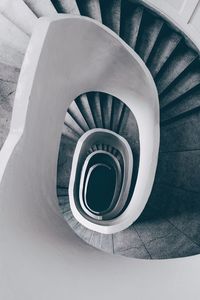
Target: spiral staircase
(169, 224)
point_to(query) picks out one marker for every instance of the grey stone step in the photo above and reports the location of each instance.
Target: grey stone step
(8, 83)
(182, 135)
(185, 104)
(126, 239)
(66, 6)
(95, 106)
(66, 153)
(69, 134)
(131, 16)
(180, 169)
(10, 56)
(186, 82)
(12, 37)
(41, 8)
(177, 63)
(150, 28)
(90, 8)
(129, 130)
(19, 14)
(106, 106)
(111, 13)
(77, 115)
(180, 207)
(163, 49)
(71, 123)
(84, 106)
(117, 114)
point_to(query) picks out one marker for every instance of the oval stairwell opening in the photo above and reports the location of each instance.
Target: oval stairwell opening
(99, 188)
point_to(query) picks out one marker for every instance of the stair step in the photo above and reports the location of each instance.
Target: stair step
(66, 150)
(9, 73)
(62, 197)
(131, 16)
(66, 6)
(129, 130)
(180, 169)
(69, 134)
(164, 47)
(187, 81)
(107, 243)
(62, 192)
(90, 8)
(12, 36)
(106, 105)
(10, 56)
(95, 105)
(64, 171)
(111, 13)
(84, 106)
(41, 8)
(71, 123)
(77, 116)
(125, 240)
(19, 14)
(84, 233)
(8, 87)
(187, 103)
(95, 239)
(177, 135)
(150, 28)
(175, 65)
(117, 114)
(94, 148)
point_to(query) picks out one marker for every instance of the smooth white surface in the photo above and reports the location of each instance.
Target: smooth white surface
(12, 36)
(188, 8)
(19, 13)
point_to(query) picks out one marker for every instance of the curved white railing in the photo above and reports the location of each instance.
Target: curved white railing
(57, 68)
(112, 139)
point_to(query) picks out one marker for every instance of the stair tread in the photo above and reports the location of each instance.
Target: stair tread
(90, 8)
(66, 6)
(106, 105)
(84, 106)
(111, 13)
(71, 123)
(177, 135)
(187, 103)
(69, 134)
(66, 151)
(164, 47)
(12, 36)
(176, 64)
(126, 239)
(41, 8)
(185, 83)
(76, 114)
(150, 28)
(117, 111)
(95, 105)
(9, 73)
(131, 16)
(19, 14)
